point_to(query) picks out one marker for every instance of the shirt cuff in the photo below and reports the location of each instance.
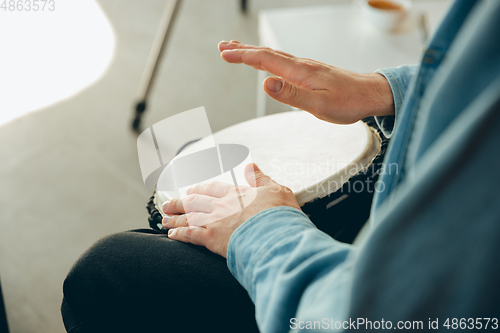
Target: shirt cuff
(386, 124)
(399, 78)
(253, 239)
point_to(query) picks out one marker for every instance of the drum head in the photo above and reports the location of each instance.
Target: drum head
(310, 156)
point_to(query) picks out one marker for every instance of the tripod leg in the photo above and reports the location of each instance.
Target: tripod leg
(3, 317)
(155, 56)
(140, 107)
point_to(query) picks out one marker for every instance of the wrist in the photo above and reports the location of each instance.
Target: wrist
(380, 101)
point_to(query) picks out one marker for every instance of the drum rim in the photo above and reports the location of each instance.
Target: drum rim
(304, 196)
(368, 156)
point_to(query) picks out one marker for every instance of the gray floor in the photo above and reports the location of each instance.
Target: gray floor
(70, 174)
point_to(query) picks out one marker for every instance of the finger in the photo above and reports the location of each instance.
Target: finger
(214, 189)
(185, 220)
(175, 221)
(257, 178)
(237, 45)
(293, 70)
(296, 96)
(198, 203)
(223, 45)
(193, 235)
(200, 219)
(197, 219)
(173, 207)
(189, 203)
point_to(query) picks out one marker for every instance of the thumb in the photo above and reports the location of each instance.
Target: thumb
(255, 177)
(288, 93)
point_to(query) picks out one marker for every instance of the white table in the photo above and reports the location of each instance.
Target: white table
(338, 35)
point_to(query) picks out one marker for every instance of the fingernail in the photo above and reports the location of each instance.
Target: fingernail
(223, 44)
(274, 85)
(251, 167)
(171, 232)
(165, 220)
(165, 206)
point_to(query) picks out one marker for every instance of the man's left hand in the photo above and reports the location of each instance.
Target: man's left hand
(211, 212)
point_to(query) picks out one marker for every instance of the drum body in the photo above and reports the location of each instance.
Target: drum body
(331, 169)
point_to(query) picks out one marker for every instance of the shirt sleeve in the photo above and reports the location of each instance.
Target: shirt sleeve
(399, 79)
(286, 264)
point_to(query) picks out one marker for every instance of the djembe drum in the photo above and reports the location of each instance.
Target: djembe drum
(332, 169)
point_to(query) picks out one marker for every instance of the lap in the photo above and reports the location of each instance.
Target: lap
(141, 280)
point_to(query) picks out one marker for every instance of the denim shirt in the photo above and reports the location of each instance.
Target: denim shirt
(431, 250)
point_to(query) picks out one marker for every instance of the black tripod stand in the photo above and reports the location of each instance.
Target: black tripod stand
(156, 54)
(3, 317)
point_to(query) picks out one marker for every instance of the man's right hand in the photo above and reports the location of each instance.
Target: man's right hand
(331, 94)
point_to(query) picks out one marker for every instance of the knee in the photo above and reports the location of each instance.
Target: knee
(93, 271)
(91, 287)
